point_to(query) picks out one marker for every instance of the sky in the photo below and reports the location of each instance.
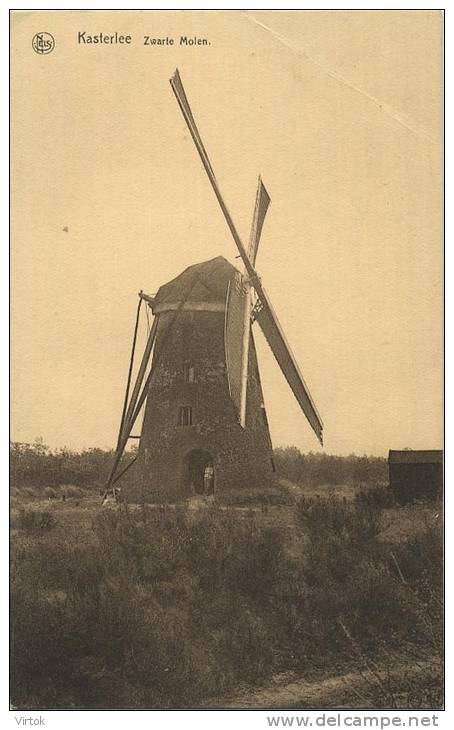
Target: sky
(340, 113)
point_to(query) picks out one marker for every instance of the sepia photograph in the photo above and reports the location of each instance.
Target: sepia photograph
(227, 428)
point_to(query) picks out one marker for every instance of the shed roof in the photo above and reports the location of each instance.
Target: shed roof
(408, 456)
(204, 282)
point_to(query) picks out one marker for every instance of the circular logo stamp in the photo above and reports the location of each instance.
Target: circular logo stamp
(43, 43)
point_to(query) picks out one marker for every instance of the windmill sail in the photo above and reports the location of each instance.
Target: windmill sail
(275, 337)
(238, 314)
(265, 313)
(233, 337)
(180, 94)
(262, 202)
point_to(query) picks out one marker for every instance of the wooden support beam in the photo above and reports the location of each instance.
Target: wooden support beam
(131, 413)
(147, 297)
(139, 380)
(131, 363)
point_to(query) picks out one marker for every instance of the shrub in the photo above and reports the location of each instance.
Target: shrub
(245, 497)
(163, 610)
(168, 607)
(34, 520)
(418, 564)
(381, 495)
(355, 586)
(73, 492)
(330, 518)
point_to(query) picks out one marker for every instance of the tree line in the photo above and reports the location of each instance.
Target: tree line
(320, 468)
(38, 465)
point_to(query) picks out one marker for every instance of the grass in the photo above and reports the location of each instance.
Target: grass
(270, 496)
(31, 521)
(148, 608)
(131, 626)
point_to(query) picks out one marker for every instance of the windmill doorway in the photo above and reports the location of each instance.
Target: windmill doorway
(198, 474)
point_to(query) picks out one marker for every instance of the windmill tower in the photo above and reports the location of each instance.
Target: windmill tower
(205, 427)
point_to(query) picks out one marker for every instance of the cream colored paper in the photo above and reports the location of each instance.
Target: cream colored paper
(341, 114)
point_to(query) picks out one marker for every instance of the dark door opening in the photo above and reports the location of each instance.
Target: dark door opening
(199, 472)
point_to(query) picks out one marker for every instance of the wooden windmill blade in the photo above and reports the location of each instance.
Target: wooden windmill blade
(274, 335)
(233, 337)
(262, 202)
(180, 94)
(238, 314)
(265, 314)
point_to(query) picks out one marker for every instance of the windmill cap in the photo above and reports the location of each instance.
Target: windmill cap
(200, 286)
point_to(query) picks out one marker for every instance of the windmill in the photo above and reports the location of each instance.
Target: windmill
(205, 424)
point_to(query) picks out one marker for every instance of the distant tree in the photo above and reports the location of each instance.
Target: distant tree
(318, 469)
(38, 465)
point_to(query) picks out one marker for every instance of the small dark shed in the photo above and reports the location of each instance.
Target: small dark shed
(415, 474)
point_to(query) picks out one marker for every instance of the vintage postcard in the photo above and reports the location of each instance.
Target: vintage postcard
(227, 360)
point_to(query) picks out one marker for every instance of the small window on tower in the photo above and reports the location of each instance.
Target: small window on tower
(188, 372)
(185, 416)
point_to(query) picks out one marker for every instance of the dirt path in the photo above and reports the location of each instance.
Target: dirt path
(352, 690)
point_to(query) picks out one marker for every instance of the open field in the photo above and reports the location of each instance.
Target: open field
(332, 599)
(319, 593)
(74, 517)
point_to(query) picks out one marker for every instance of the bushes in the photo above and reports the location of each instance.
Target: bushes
(331, 519)
(72, 492)
(355, 582)
(271, 496)
(380, 495)
(38, 465)
(318, 469)
(214, 551)
(50, 493)
(33, 520)
(169, 607)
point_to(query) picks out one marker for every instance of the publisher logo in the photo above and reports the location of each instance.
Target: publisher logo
(43, 43)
